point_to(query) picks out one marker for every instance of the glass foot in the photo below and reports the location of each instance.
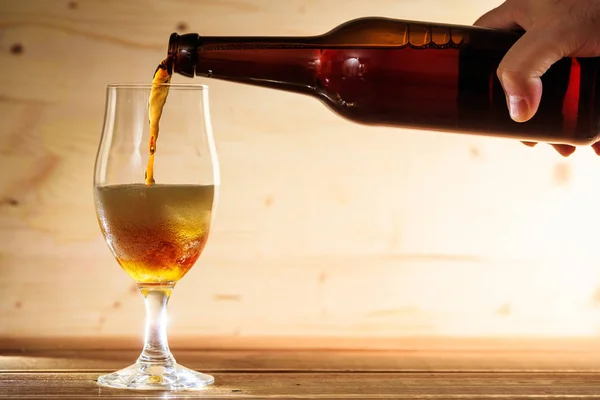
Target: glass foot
(141, 376)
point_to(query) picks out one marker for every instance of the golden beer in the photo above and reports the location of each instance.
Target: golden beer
(155, 232)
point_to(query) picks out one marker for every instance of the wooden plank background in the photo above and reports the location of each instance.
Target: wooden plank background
(327, 234)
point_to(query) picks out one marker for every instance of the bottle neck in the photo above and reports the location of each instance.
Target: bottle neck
(285, 63)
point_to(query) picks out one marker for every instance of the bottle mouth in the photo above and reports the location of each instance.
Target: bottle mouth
(183, 51)
(173, 44)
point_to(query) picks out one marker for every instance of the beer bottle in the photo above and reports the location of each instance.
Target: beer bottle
(389, 72)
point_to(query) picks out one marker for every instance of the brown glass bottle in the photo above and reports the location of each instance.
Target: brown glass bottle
(381, 71)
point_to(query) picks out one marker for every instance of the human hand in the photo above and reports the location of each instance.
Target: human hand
(553, 29)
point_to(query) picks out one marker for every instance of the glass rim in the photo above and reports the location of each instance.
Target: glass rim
(146, 86)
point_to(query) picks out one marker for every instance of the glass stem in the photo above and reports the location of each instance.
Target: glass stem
(156, 347)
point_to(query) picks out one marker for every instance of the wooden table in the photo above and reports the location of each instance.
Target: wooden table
(318, 374)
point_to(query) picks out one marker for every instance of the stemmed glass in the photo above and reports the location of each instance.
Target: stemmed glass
(156, 231)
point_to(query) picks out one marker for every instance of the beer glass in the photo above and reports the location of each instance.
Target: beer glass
(156, 232)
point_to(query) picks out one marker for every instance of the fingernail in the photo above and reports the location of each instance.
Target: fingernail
(518, 108)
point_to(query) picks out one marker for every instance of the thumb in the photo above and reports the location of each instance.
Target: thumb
(523, 65)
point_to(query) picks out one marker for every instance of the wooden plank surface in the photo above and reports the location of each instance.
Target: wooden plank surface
(315, 360)
(326, 230)
(309, 374)
(330, 385)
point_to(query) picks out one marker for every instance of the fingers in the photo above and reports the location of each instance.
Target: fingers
(529, 144)
(501, 17)
(527, 60)
(523, 65)
(564, 150)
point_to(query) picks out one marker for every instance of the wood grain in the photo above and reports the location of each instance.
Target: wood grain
(329, 386)
(413, 360)
(270, 374)
(326, 231)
